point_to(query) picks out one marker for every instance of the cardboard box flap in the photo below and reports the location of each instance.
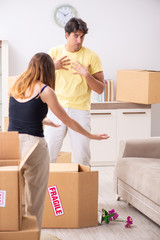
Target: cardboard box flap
(9, 162)
(9, 168)
(9, 145)
(83, 168)
(64, 167)
(26, 156)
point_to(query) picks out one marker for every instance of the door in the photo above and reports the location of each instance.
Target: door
(103, 152)
(133, 123)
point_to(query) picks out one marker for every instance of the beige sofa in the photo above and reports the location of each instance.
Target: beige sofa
(137, 175)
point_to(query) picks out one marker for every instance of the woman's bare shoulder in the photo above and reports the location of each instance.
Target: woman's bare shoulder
(47, 94)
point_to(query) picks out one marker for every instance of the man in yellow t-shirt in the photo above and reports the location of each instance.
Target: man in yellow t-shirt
(78, 71)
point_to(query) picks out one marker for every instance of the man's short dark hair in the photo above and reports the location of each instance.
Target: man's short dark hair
(75, 24)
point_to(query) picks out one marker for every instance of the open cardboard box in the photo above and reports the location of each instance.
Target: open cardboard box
(11, 181)
(29, 230)
(72, 199)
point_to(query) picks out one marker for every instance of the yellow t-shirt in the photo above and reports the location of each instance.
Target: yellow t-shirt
(71, 89)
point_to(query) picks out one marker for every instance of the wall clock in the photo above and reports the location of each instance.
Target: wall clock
(63, 13)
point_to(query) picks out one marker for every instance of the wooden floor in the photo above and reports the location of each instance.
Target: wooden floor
(143, 228)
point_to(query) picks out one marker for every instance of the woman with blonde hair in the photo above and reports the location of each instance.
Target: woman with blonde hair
(30, 97)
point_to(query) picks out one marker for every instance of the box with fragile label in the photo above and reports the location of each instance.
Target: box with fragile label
(11, 181)
(138, 86)
(29, 230)
(72, 198)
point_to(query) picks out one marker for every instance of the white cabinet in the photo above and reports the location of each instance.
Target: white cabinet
(3, 81)
(133, 123)
(122, 124)
(103, 121)
(120, 121)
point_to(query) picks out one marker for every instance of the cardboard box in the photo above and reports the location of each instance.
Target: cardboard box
(64, 157)
(11, 181)
(6, 122)
(29, 230)
(11, 80)
(72, 199)
(138, 86)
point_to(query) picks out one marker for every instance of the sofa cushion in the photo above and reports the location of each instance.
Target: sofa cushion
(143, 174)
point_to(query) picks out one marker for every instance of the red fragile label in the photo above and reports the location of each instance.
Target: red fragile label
(55, 200)
(2, 198)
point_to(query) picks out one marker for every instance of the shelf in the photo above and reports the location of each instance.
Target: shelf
(118, 105)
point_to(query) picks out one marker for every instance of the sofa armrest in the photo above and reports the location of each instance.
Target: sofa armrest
(144, 148)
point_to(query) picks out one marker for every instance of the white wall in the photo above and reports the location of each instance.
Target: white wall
(125, 33)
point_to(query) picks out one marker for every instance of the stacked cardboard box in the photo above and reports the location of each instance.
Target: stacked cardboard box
(29, 230)
(138, 86)
(72, 199)
(11, 186)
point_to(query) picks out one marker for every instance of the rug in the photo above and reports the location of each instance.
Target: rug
(48, 236)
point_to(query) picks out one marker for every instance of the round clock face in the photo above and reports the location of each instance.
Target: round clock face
(63, 14)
